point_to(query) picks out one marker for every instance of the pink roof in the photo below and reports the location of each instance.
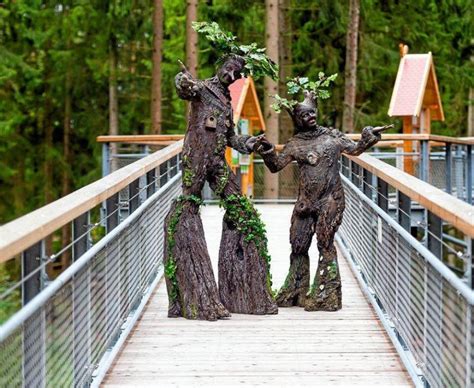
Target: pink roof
(236, 91)
(410, 85)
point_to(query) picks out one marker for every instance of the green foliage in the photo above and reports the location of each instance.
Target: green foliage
(240, 212)
(296, 85)
(257, 63)
(171, 264)
(11, 303)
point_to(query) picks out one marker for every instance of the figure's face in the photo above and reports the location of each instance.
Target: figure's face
(229, 72)
(308, 118)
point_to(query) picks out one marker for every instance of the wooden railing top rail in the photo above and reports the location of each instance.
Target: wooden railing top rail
(159, 139)
(458, 213)
(20, 234)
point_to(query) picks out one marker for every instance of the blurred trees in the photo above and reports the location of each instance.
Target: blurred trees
(57, 72)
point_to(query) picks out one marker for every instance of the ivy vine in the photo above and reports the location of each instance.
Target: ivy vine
(240, 212)
(171, 265)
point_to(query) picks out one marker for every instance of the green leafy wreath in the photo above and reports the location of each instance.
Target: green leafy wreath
(298, 84)
(257, 63)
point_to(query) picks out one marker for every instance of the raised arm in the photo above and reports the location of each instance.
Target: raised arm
(275, 162)
(187, 87)
(242, 143)
(368, 138)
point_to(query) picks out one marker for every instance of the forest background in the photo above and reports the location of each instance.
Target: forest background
(73, 70)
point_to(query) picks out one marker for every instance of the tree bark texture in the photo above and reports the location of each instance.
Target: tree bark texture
(156, 67)
(113, 98)
(271, 88)
(244, 280)
(350, 72)
(318, 210)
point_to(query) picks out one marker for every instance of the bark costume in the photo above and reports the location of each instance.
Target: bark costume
(319, 207)
(244, 282)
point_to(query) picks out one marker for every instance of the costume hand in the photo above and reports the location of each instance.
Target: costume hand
(262, 144)
(185, 80)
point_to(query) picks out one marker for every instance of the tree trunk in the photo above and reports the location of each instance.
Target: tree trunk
(113, 98)
(191, 37)
(66, 178)
(350, 71)
(156, 72)
(271, 88)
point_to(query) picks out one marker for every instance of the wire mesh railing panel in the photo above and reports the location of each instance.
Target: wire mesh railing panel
(69, 335)
(430, 315)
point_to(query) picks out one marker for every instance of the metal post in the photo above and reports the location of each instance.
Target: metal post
(163, 174)
(404, 211)
(469, 174)
(470, 253)
(367, 182)
(345, 166)
(425, 161)
(449, 167)
(382, 194)
(112, 214)
(34, 340)
(355, 178)
(81, 303)
(150, 182)
(133, 197)
(435, 234)
(105, 159)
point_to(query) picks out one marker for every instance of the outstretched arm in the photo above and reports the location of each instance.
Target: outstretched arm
(242, 143)
(369, 137)
(275, 162)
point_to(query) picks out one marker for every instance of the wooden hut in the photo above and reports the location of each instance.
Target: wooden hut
(415, 97)
(248, 120)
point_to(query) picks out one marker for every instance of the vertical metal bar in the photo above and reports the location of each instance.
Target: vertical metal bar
(470, 263)
(435, 234)
(163, 174)
(150, 182)
(404, 211)
(105, 159)
(112, 214)
(367, 182)
(449, 167)
(469, 174)
(134, 198)
(34, 335)
(355, 171)
(81, 303)
(80, 236)
(382, 194)
(345, 166)
(425, 161)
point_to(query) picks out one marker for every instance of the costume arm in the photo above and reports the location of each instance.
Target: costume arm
(367, 140)
(239, 142)
(276, 162)
(187, 87)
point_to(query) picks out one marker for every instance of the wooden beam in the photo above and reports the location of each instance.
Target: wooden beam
(18, 235)
(450, 209)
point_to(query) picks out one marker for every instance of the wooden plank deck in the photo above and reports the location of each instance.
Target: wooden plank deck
(293, 348)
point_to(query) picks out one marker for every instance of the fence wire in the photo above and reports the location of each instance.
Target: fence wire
(65, 340)
(431, 315)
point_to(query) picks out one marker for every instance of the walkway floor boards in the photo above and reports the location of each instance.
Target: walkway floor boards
(294, 348)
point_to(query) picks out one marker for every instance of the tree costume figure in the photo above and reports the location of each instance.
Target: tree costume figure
(244, 278)
(320, 202)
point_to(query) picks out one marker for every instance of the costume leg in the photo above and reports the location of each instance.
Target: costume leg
(293, 292)
(190, 282)
(325, 293)
(244, 268)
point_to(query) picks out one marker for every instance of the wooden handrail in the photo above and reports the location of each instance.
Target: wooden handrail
(458, 213)
(20, 234)
(157, 139)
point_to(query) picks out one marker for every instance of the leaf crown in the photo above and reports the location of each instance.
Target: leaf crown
(312, 90)
(257, 63)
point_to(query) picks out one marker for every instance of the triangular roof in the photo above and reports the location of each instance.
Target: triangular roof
(245, 101)
(416, 87)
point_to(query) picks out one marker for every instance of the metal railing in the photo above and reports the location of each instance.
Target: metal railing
(70, 328)
(425, 308)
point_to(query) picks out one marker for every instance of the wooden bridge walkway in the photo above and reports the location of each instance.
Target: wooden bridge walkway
(293, 348)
